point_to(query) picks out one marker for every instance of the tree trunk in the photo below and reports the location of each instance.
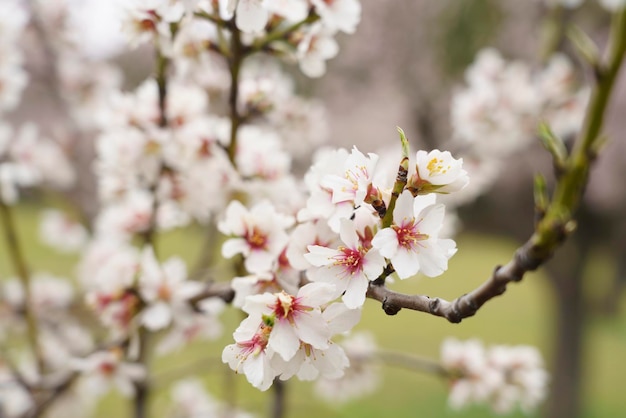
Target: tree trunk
(567, 271)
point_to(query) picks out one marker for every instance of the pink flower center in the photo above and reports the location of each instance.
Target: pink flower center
(350, 259)
(409, 235)
(257, 343)
(256, 239)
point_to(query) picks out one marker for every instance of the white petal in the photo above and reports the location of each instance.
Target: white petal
(284, 340)
(404, 208)
(320, 256)
(251, 16)
(157, 316)
(406, 263)
(340, 318)
(355, 292)
(235, 246)
(312, 329)
(347, 233)
(386, 242)
(317, 294)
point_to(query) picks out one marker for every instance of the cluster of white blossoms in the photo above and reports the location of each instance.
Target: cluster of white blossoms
(311, 45)
(498, 112)
(26, 159)
(190, 148)
(352, 229)
(501, 376)
(503, 103)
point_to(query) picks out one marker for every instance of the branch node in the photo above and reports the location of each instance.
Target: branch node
(389, 307)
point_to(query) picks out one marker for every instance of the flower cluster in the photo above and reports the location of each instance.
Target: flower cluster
(499, 110)
(312, 25)
(500, 376)
(354, 226)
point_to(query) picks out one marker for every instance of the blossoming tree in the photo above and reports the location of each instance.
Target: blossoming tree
(209, 141)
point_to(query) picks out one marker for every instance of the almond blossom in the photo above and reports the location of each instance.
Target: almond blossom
(259, 234)
(438, 172)
(250, 353)
(355, 182)
(295, 319)
(102, 369)
(343, 15)
(165, 289)
(350, 267)
(412, 242)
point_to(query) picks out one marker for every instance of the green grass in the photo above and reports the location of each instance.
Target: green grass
(522, 316)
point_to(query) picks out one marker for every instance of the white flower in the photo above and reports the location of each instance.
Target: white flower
(316, 47)
(260, 234)
(525, 380)
(103, 368)
(305, 234)
(251, 15)
(412, 242)
(165, 289)
(350, 267)
(343, 15)
(250, 354)
(296, 319)
(439, 172)
(60, 232)
(354, 185)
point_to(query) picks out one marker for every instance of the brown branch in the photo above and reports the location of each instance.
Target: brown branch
(220, 290)
(527, 258)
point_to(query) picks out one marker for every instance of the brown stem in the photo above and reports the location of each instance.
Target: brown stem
(406, 361)
(235, 61)
(279, 399)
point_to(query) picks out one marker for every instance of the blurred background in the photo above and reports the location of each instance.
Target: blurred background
(400, 69)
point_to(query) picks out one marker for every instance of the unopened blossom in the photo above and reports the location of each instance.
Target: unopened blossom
(438, 172)
(412, 242)
(59, 231)
(343, 15)
(294, 319)
(165, 289)
(102, 369)
(350, 266)
(259, 234)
